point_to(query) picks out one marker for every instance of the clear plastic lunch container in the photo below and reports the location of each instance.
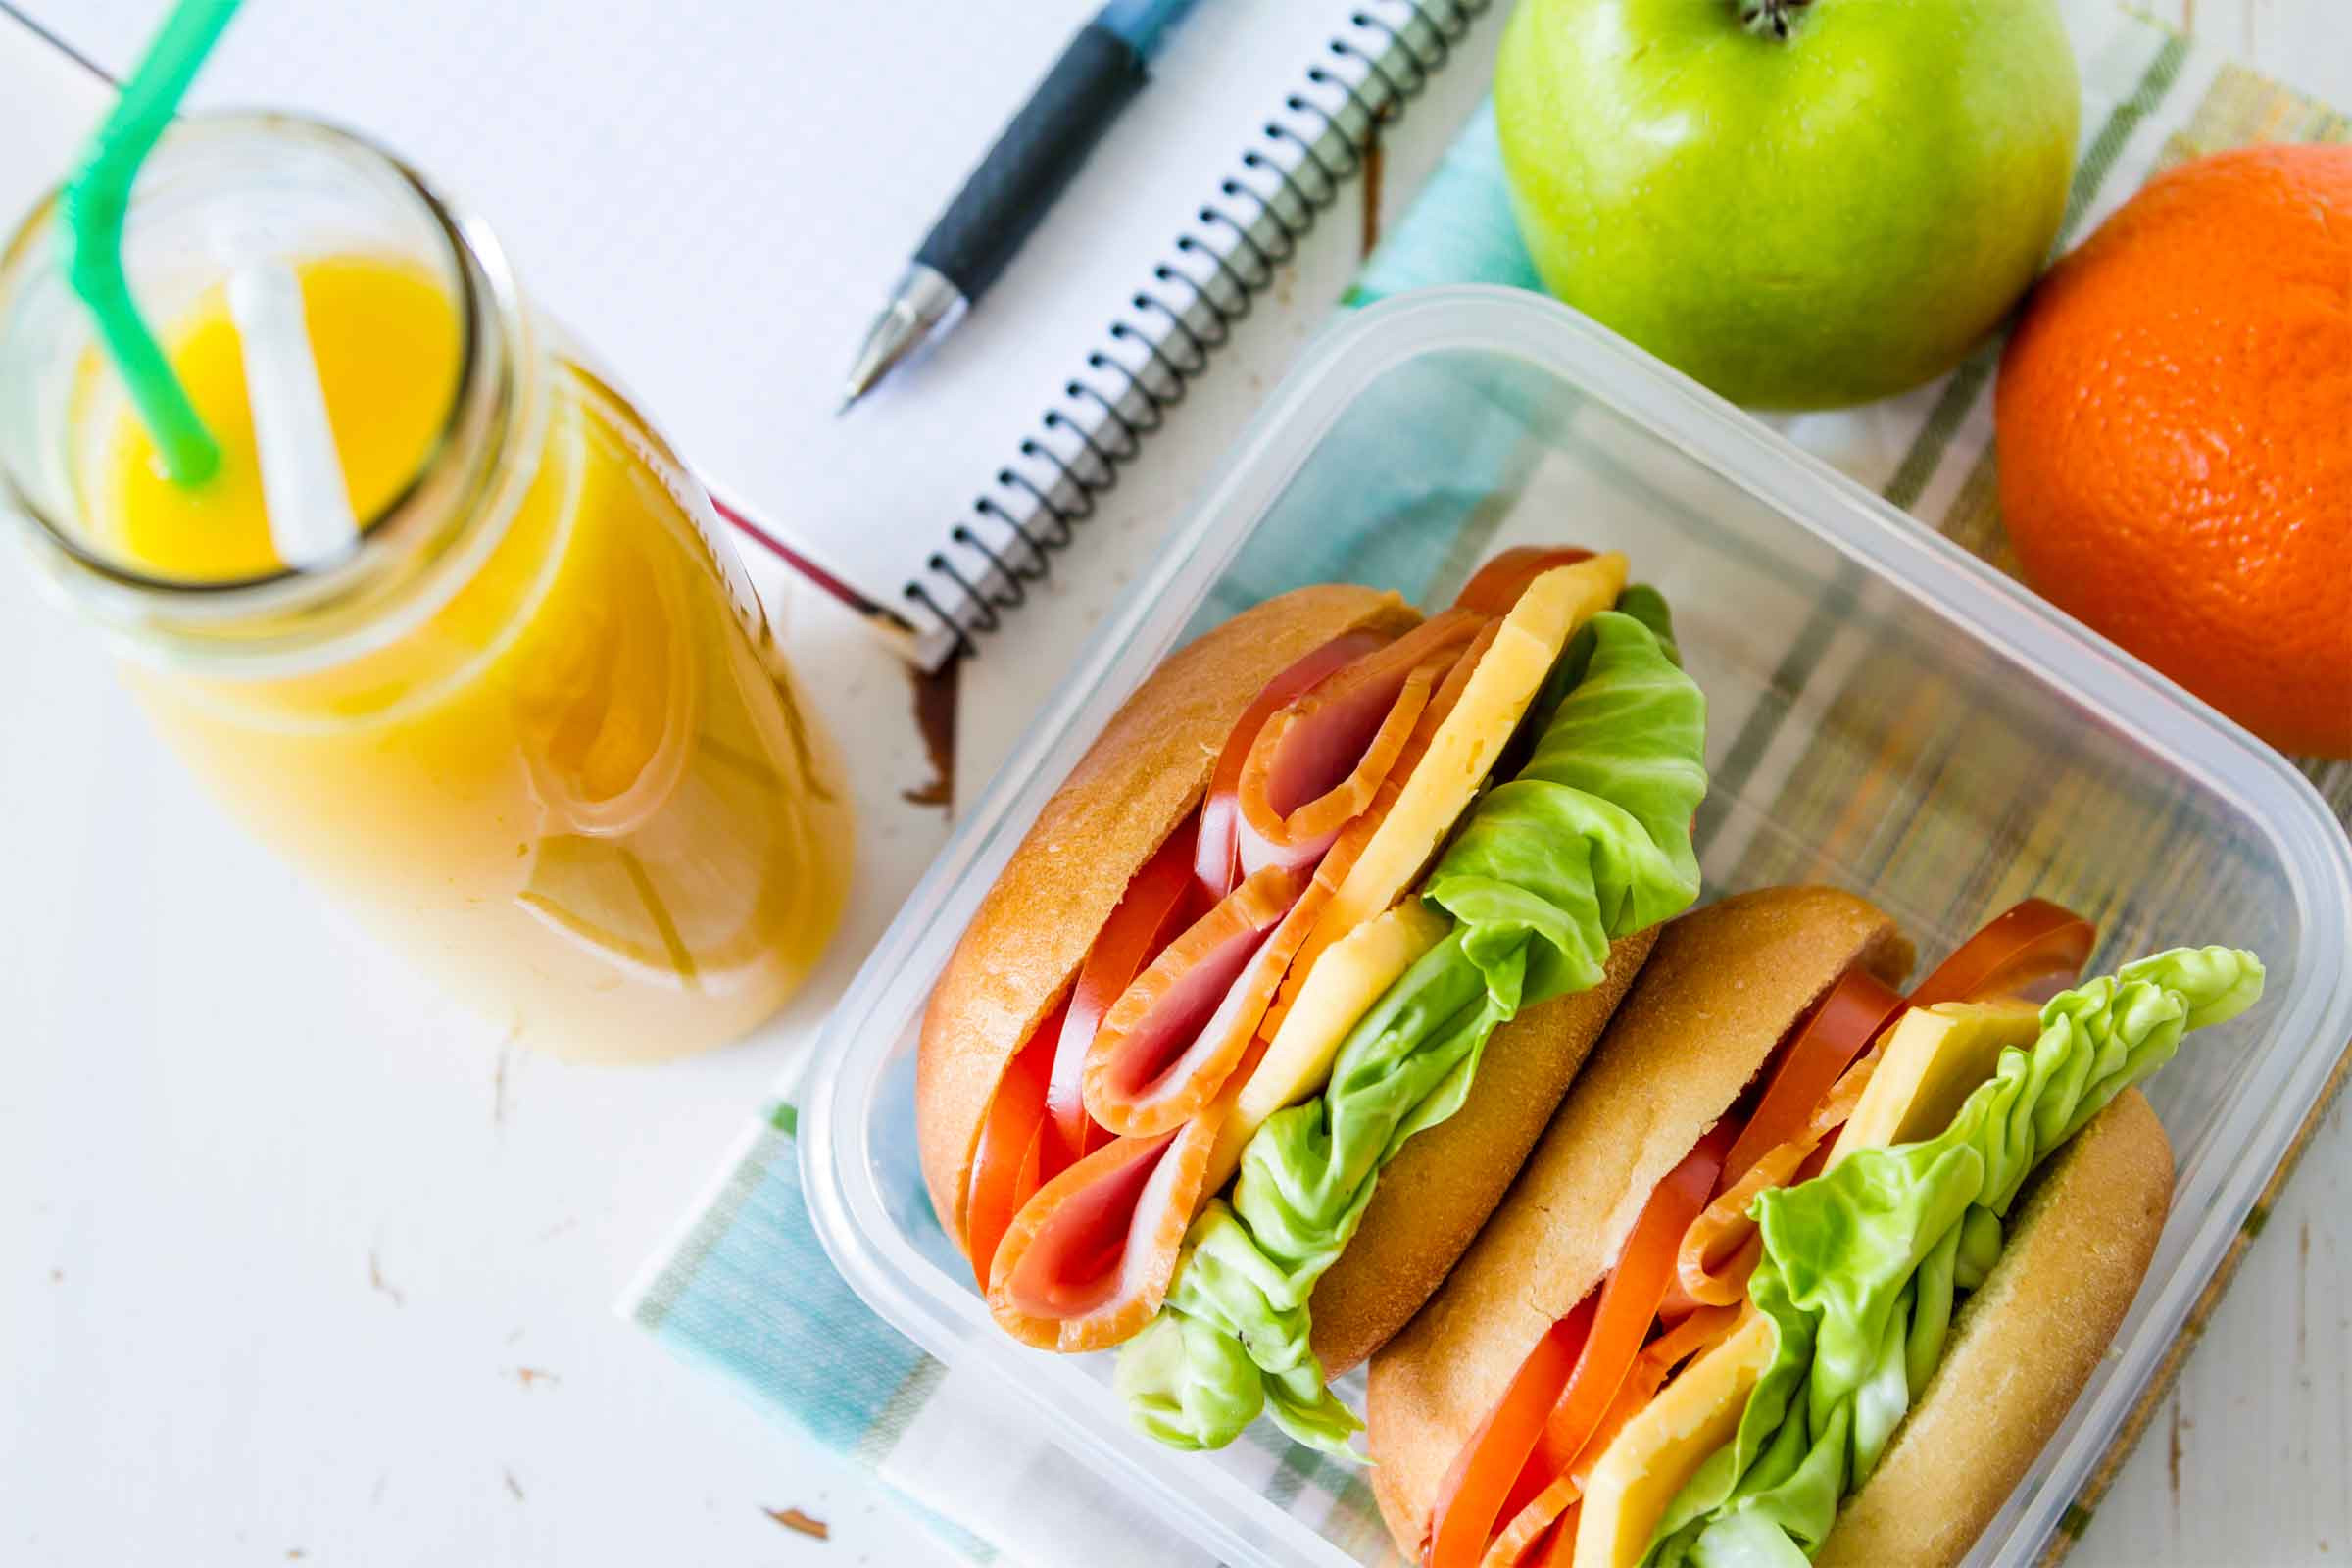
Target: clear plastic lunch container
(1885, 712)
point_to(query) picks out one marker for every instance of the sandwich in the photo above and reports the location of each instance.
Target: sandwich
(1805, 1267)
(1339, 890)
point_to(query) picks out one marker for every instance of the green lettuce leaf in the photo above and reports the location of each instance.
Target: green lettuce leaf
(1183, 1374)
(1589, 842)
(1243, 1347)
(1861, 1265)
(1648, 607)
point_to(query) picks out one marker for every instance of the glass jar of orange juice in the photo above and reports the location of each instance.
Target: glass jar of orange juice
(527, 720)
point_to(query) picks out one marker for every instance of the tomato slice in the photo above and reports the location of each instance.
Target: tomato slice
(1841, 1027)
(1496, 586)
(1007, 1167)
(1530, 1439)
(1629, 1306)
(1217, 861)
(1157, 905)
(1550, 1516)
(1483, 1473)
(1535, 1528)
(2027, 944)
(2023, 946)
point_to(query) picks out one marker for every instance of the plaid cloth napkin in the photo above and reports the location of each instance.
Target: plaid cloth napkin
(747, 1289)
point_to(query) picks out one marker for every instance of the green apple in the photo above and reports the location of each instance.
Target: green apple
(1802, 203)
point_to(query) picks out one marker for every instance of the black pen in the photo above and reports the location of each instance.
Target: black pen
(1017, 183)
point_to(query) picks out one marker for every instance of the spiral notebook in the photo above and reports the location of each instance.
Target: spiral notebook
(717, 196)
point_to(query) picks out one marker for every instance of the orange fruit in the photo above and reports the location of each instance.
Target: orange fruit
(2175, 426)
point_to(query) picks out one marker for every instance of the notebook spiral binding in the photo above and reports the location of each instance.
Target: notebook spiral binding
(1187, 312)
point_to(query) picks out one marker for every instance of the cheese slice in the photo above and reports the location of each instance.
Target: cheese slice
(1934, 1058)
(1659, 1450)
(1461, 754)
(1364, 939)
(1345, 981)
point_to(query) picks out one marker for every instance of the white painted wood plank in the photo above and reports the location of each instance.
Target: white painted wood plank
(2247, 1461)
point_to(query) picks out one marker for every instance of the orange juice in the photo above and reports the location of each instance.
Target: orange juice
(576, 782)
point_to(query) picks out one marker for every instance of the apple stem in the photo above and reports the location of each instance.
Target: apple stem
(1762, 16)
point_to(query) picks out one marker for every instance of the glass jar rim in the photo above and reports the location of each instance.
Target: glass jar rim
(420, 518)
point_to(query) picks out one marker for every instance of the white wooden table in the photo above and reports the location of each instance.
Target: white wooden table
(315, 1271)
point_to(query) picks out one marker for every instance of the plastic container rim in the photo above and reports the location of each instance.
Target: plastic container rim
(891, 1276)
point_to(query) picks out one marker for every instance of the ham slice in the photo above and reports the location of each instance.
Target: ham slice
(1169, 1042)
(1217, 866)
(1158, 903)
(1304, 779)
(1154, 1061)
(1088, 1260)
(1320, 760)
(1332, 870)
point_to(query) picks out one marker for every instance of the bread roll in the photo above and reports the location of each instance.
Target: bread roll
(1439, 1189)
(1133, 787)
(1722, 987)
(2020, 1349)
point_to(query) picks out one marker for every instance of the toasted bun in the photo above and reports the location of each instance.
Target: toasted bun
(2022, 1347)
(1437, 1192)
(1721, 989)
(1145, 770)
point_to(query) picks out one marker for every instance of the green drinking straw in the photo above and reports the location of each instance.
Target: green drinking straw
(97, 198)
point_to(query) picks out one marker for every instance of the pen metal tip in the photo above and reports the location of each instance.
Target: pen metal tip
(923, 306)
